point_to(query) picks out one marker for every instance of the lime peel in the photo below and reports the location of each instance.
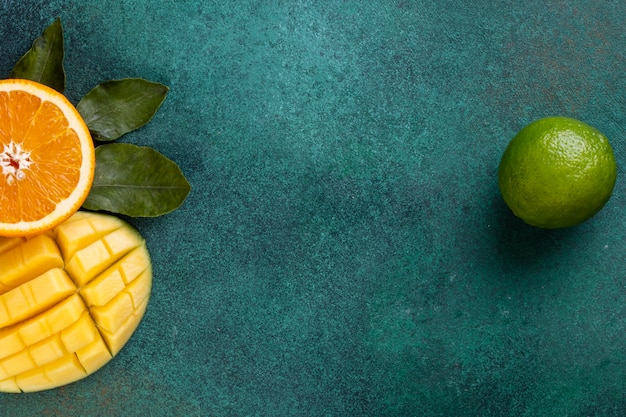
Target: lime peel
(557, 172)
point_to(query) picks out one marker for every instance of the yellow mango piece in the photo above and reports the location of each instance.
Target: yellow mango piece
(18, 337)
(113, 315)
(9, 385)
(134, 264)
(100, 291)
(94, 355)
(27, 261)
(16, 364)
(36, 295)
(139, 289)
(80, 334)
(117, 339)
(11, 343)
(96, 257)
(82, 231)
(8, 243)
(51, 321)
(47, 350)
(52, 375)
(5, 316)
(70, 299)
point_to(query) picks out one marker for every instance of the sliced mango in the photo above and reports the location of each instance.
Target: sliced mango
(70, 299)
(27, 261)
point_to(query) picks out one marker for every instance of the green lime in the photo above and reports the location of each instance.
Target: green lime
(557, 172)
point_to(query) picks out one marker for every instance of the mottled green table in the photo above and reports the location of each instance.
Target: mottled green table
(345, 250)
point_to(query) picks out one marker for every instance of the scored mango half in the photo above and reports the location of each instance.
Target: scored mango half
(69, 300)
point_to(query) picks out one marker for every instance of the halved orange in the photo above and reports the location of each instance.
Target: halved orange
(47, 158)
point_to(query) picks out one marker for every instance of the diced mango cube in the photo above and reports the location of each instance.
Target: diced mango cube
(133, 264)
(36, 295)
(52, 375)
(51, 321)
(84, 231)
(16, 364)
(11, 343)
(94, 355)
(9, 385)
(102, 289)
(139, 289)
(113, 315)
(48, 350)
(101, 254)
(118, 338)
(8, 243)
(79, 334)
(27, 261)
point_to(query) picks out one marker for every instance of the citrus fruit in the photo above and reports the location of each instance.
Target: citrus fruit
(46, 156)
(557, 172)
(70, 299)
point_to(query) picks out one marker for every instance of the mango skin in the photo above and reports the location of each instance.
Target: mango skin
(70, 299)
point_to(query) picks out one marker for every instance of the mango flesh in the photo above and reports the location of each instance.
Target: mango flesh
(69, 300)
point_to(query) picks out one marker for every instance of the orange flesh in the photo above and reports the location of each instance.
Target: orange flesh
(38, 127)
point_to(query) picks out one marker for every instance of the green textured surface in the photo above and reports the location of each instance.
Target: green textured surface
(345, 250)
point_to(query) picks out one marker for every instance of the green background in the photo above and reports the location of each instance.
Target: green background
(345, 250)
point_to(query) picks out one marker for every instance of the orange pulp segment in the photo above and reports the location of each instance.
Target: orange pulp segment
(47, 158)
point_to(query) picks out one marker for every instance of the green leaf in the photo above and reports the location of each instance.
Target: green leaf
(117, 107)
(44, 61)
(136, 181)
